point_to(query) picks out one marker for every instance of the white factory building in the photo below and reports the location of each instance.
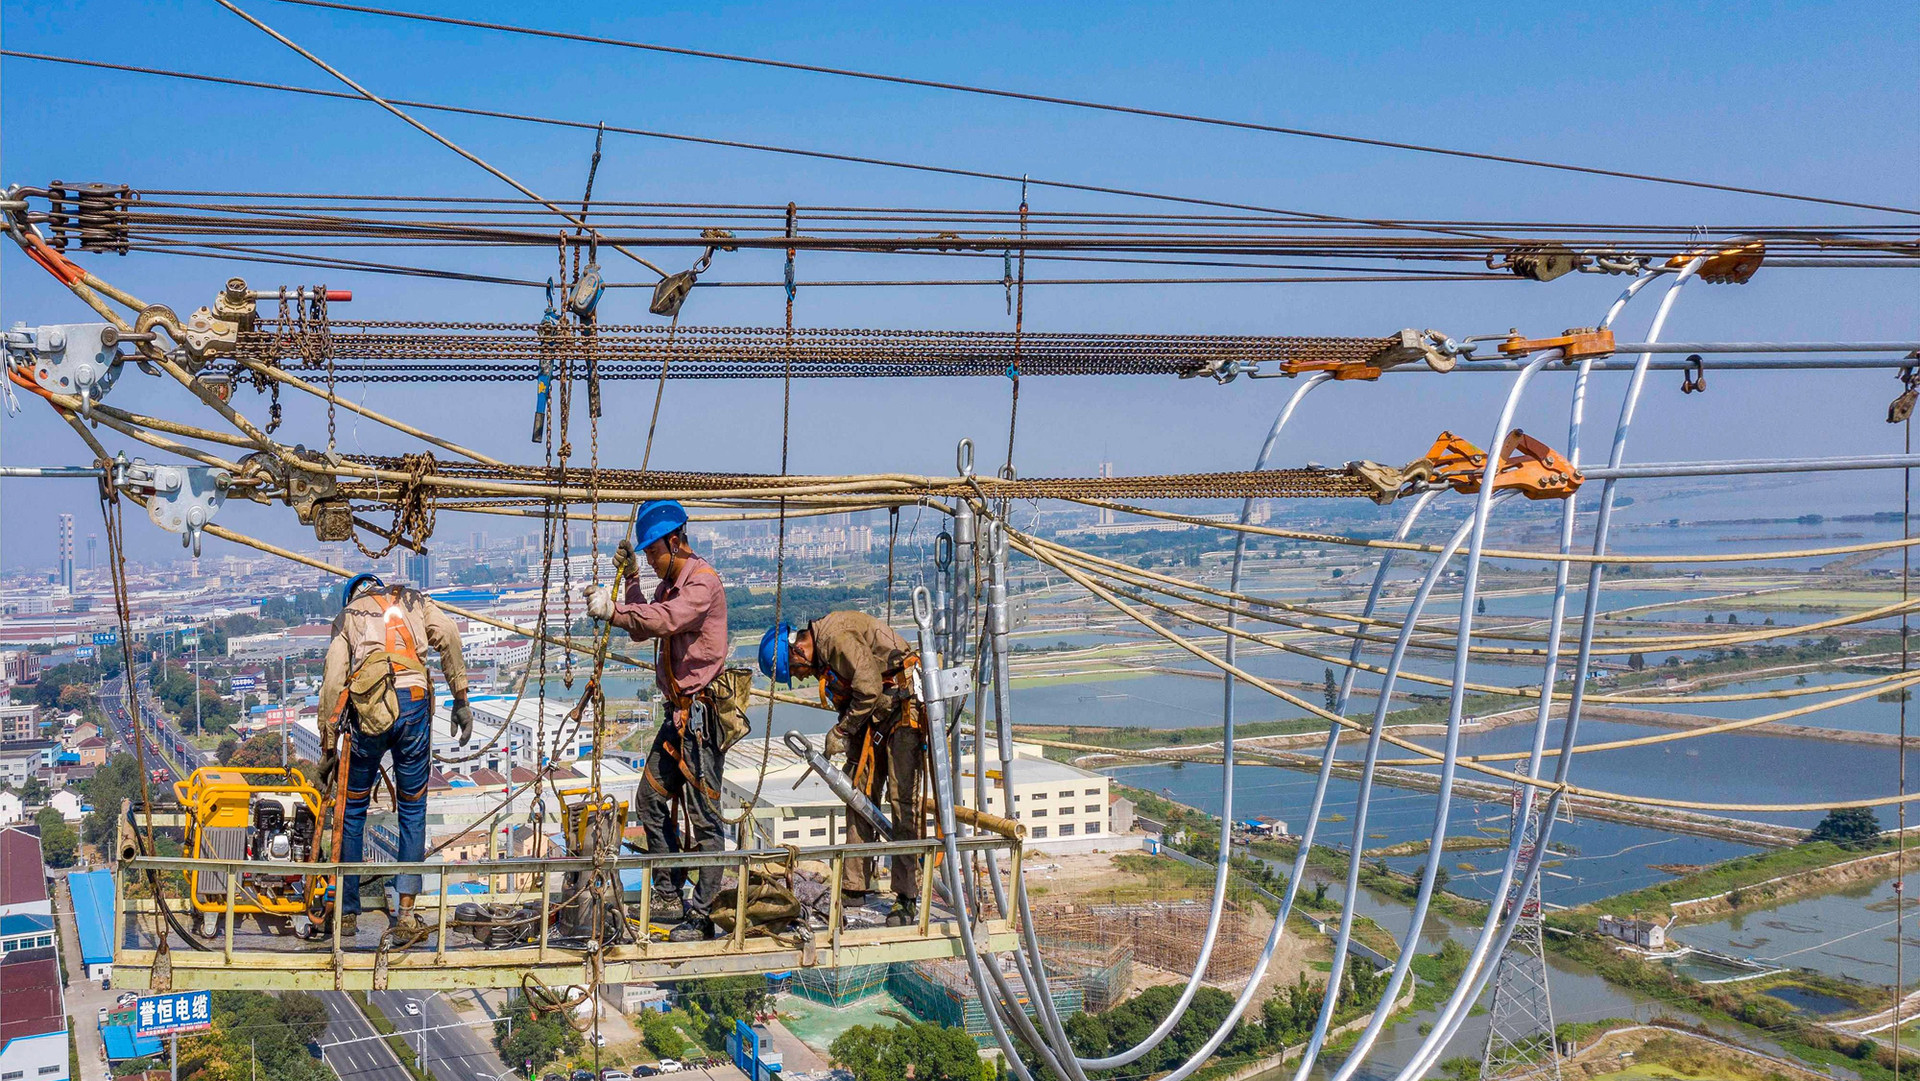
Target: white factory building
(1064, 808)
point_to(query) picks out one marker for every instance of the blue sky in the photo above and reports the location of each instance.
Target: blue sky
(1816, 98)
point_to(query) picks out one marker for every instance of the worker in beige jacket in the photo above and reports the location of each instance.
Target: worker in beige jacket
(377, 684)
(865, 673)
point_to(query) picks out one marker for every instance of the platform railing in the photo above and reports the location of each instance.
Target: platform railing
(331, 963)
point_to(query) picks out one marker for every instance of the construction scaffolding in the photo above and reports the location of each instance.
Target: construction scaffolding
(842, 986)
(1104, 970)
(1164, 935)
(943, 992)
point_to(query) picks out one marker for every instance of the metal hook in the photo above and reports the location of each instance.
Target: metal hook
(943, 550)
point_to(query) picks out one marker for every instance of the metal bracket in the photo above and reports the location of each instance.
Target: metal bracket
(68, 358)
(180, 498)
(960, 676)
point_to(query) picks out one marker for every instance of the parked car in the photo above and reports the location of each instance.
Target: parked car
(668, 1065)
(103, 1015)
(615, 1075)
(644, 1070)
(582, 1075)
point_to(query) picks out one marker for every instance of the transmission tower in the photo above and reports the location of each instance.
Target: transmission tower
(1520, 1038)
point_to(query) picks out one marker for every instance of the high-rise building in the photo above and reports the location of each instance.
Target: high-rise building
(66, 551)
(1106, 514)
(418, 569)
(93, 555)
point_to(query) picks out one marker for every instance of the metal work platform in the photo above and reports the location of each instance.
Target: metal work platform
(266, 954)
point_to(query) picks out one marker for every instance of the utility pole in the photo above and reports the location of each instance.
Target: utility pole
(173, 1058)
(253, 1058)
(285, 694)
(197, 730)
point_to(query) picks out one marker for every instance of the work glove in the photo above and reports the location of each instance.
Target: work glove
(329, 766)
(836, 742)
(599, 602)
(462, 721)
(625, 558)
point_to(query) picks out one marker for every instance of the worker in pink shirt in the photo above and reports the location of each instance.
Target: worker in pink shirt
(687, 618)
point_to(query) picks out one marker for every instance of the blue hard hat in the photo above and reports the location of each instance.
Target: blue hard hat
(775, 647)
(656, 520)
(354, 583)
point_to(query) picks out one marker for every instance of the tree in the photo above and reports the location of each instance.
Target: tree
(58, 844)
(1637, 661)
(922, 1051)
(538, 1041)
(1480, 607)
(1330, 690)
(1848, 827)
(34, 792)
(118, 780)
(224, 753)
(75, 696)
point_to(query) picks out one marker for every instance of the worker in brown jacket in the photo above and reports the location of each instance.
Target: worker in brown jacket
(377, 683)
(865, 673)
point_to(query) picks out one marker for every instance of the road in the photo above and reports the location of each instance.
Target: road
(161, 735)
(456, 1049)
(362, 1060)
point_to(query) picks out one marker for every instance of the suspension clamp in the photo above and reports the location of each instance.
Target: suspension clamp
(180, 498)
(1527, 466)
(1405, 346)
(68, 358)
(1575, 343)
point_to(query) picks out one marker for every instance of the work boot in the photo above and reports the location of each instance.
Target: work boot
(349, 925)
(668, 907)
(695, 929)
(906, 911)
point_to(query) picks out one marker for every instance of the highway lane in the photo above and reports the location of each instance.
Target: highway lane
(456, 1050)
(364, 1059)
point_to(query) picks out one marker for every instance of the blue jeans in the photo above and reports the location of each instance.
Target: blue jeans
(410, 741)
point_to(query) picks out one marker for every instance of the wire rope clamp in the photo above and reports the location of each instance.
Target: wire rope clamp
(1575, 343)
(1728, 266)
(963, 458)
(80, 359)
(180, 499)
(93, 217)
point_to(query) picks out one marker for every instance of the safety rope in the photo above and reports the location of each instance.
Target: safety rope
(780, 547)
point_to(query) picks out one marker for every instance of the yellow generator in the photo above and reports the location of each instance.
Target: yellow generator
(267, 816)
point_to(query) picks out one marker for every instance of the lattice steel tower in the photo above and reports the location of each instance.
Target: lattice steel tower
(1520, 1038)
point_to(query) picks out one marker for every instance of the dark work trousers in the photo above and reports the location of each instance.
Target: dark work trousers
(686, 765)
(410, 742)
(895, 770)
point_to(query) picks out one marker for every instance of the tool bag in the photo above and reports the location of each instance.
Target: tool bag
(729, 694)
(770, 904)
(372, 688)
